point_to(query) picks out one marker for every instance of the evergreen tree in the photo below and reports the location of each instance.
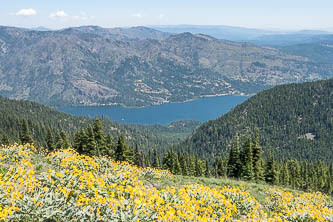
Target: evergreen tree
(257, 158)
(207, 169)
(234, 163)
(101, 148)
(270, 172)
(5, 140)
(58, 141)
(138, 157)
(25, 136)
(129, 154)
(65, 140)
(156, 160)
(219, 167)
(247, 161)
(110, 146)
(182, 158)
(119, 154)
(285, 175)
(91, 147)
(198, 168)
(49, 141)
(176, 164)
(80, 141)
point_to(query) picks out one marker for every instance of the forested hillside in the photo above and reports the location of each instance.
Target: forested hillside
(40, 118)
(294, 121)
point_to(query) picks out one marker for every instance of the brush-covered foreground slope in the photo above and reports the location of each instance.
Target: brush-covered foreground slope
(66, 186)
(40, 117)
(92, 65)
(294, 121)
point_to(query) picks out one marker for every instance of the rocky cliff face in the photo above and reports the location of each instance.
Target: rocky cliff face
(137, 67)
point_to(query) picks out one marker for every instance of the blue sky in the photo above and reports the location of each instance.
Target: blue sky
(269, 14)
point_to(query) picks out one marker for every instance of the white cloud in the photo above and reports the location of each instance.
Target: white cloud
(26, 12)
(58, 14)
(161, 16)
(137, 15)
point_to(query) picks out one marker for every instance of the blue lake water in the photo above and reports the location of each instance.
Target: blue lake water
(202, 109)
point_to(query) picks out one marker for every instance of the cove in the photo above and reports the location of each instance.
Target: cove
(202, 109)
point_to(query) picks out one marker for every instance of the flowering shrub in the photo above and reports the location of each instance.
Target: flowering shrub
(74, 187)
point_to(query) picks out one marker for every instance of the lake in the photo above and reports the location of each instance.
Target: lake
(202, 109)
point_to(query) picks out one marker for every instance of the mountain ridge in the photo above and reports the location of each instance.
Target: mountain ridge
(75, 67)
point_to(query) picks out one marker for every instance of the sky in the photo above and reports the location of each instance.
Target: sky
(264, 14)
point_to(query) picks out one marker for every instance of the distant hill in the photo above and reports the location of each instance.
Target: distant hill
(40, 117)
(138, 66)
(132, 33)
(294, 121)
(230, 33)
(290, 39)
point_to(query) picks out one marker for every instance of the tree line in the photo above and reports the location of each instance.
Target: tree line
(245, 160)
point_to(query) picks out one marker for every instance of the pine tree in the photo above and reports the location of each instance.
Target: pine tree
(80, 141)
(247, 161)
(91, 147)
(129, 154)
(119, 154)
(176, 164)
(257, 158)
(25, 136)
(49, 140)
(285, 175)
(182, 158)
(138, 157)
(219, 168)
(110, 146)
(198, 168)
(58, 141)
(234, 166)
(5, 140)
(65, 140)
(101, 148)
(156, 160)
(270, 172)
(207, 169)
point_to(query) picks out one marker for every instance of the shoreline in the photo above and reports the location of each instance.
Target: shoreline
(140, 107)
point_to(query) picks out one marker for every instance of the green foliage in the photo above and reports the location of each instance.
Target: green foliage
(294, 121)
(25, 136)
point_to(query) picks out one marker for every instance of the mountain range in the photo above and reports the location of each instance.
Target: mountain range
(139, 66)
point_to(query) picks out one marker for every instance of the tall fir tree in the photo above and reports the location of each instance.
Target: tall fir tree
(5, 140)
(270, 171)
(119, 154)
(207, 169)
(91, 147)
(49, 140)
(25, 136)
(247, 160)
(101, 148)
(138, 157)
(257, 158)
(65, 140)
(234, 166)
(156, 159)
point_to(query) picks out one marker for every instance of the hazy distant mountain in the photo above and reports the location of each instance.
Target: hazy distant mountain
(87, 66)
(133, 33)
(319, 49)
(291, 38)
(257, 36)
(41, 29)
(218, 31)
